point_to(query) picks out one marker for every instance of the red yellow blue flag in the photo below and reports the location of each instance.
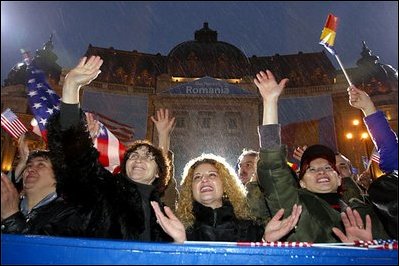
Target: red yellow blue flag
(327, 37)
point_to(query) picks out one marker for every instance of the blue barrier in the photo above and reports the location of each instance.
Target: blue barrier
(20, 249)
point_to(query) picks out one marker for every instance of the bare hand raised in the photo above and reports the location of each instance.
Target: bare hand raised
(276, 229)
(82, 74)
(163, 121)
(354, 228)
(93, 125)
(170, 224)
(298, 152)
(9, 198)
(267, 85)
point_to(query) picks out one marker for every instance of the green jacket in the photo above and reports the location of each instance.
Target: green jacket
(351, 190)
(257, 203)
(317, 218)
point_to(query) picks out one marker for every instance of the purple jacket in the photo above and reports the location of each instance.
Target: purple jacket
(385, 140)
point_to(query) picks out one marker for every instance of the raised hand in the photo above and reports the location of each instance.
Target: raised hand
(9, 198)
(93, 125)
(276, 229)
(268, 86)
(354, 228)
(361, 100)
(23, 148)
(164, 122)
(298, 152)
(270, 91)
(171, 225)
(82, 74)
(23, 151)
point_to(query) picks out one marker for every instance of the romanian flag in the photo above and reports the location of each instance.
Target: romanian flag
(327, 37)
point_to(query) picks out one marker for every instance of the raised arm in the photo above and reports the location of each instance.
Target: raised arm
(361, 100)
(23, 151)
(383, 136)
(164, 122)
(274, 175)
(270, 91)
(74, 158)
(82, 74)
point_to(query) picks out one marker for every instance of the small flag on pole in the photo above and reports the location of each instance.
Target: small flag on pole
(11, 123)
(375, 156)
(327, 37)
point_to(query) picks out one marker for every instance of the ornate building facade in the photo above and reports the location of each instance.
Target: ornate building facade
(208, 85)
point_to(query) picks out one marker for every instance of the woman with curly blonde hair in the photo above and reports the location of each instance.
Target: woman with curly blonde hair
(213, 207)
(233, 190)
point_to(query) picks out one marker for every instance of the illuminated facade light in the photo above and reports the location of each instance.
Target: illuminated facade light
(182, 79)
(388, 115)
(349, 135)
(364, 135)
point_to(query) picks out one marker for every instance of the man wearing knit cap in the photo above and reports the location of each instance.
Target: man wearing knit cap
(321, 219)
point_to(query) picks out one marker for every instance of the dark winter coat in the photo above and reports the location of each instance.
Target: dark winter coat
(221, 224)
(57, 218)
(114, 206)
(384, 197)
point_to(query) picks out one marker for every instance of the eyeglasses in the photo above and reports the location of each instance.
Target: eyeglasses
(145, 157)
(314, 170)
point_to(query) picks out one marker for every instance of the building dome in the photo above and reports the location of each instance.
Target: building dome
(206, 56)
(45, 59)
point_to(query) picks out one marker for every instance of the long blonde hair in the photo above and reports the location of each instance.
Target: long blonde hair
(232, 188)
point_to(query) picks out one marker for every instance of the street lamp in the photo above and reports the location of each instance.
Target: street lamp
(349, 135)
(358, 136)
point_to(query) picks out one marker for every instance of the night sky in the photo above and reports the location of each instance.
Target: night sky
(257, 28)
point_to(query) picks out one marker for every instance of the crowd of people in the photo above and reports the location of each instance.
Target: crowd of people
(67, 192)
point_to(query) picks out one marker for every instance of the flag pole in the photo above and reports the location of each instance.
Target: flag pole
(369, 166)
(327, 39)
(343, 70)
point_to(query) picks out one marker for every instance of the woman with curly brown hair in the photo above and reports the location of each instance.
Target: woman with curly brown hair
(213, 207)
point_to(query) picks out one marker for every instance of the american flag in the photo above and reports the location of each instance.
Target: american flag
(11, 123)
(110, 148)
(42, 99)
(375, 156)
(123, 132)
(44, 102)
